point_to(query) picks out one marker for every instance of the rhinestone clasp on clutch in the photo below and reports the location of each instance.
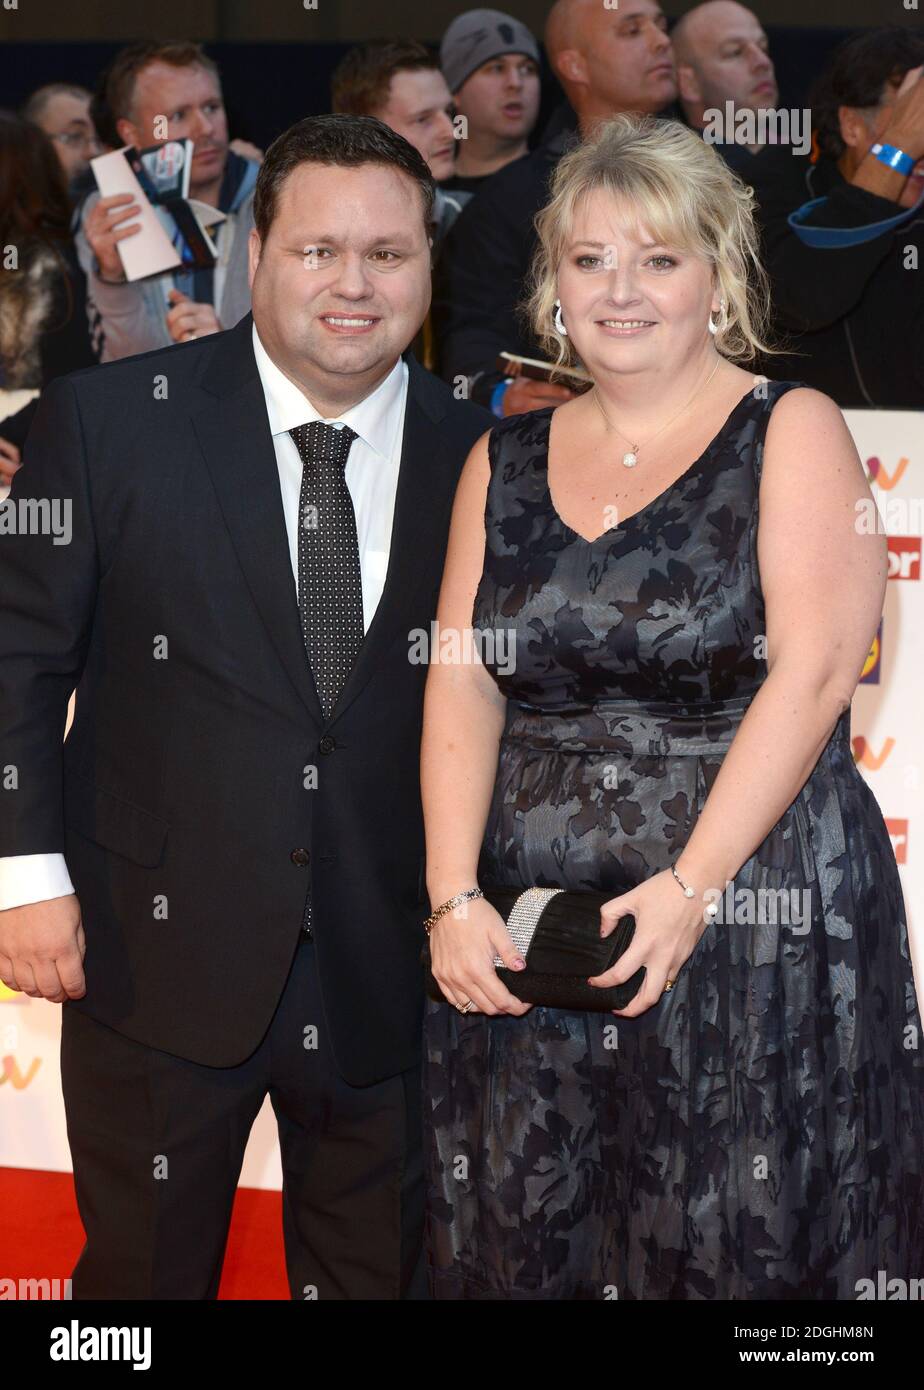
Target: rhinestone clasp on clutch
(524, 918)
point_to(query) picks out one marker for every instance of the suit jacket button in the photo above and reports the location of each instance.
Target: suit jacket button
(300, 856)
(327, 744)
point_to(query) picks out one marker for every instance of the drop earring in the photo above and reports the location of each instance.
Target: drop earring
(559, 325)
(723, 319)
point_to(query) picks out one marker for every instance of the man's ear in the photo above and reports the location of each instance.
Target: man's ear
(570, 66)
(129, 134)
(254, 249)
(853, 127)
(688, 87)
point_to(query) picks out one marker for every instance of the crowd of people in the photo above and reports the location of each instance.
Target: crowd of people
(471, 110)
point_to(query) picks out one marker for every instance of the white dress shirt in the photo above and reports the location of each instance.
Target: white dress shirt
(372, 479)
(372, 466)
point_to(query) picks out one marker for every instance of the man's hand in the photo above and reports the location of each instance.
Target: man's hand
(905, 127)
(104, 230)
(525, 394)
(9, 461)
(42, 946)
(187, 319)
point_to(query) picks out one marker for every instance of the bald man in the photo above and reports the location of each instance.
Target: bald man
(607, 61)
(62, 110)
(610, 60)
(722, 54)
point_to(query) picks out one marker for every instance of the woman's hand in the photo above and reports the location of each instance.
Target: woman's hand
(463, 945)
(10, 461)
(667, 928)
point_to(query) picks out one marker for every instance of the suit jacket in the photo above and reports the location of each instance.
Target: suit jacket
(200, 790)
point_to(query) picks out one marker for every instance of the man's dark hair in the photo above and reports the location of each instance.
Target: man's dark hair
(123, 71)
(857, 73)
(360, 82)
(336, 139)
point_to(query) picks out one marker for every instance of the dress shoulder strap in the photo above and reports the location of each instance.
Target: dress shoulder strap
(517, 458)
(772, 391)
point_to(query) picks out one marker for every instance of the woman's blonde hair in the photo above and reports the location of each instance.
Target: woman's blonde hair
(685, 195)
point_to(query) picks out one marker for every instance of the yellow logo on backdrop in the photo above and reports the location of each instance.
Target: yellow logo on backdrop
(9, 1071)
(872, 658)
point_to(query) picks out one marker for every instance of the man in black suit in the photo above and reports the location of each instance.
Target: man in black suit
(220, 873)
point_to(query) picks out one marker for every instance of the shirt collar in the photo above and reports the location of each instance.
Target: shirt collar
(373, 418)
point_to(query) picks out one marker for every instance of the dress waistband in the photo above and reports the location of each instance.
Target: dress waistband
(630, 728)
(627, 727)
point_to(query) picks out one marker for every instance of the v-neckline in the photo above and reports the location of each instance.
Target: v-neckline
(621, 526)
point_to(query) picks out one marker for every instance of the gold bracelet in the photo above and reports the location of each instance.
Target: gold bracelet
(448, 906)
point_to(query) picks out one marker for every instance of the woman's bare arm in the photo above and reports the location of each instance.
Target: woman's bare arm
(462, 724)
(823, 577)
(463, 708)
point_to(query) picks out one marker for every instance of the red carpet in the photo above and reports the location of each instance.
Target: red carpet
(41, 1235)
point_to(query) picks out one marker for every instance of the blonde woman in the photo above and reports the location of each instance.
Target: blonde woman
(673, 555)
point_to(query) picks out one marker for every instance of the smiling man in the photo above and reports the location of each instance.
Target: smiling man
(336, 295)
(221, 874)
(146, 83)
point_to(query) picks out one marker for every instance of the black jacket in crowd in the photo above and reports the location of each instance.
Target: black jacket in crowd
(482, 266)
(856, 312)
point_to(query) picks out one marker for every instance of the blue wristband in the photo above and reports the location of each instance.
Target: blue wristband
(497, 395)
(893, 157)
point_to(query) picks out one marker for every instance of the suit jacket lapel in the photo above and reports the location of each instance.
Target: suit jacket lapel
(423, 501)
(234, 433)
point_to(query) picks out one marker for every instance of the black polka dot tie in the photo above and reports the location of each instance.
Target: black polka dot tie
(330, 591)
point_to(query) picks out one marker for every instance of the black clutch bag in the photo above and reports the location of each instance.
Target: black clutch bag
(557, 932)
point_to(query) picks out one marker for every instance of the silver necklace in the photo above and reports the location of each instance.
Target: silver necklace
(630, 458)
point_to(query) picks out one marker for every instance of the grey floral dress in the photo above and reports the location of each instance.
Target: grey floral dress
(758, 1133)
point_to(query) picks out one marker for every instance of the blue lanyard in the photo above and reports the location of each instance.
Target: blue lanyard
(826, 238)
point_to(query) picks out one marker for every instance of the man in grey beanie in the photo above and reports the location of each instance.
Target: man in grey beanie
(491, 65)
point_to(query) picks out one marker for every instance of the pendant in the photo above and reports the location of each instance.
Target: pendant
(630, 460)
